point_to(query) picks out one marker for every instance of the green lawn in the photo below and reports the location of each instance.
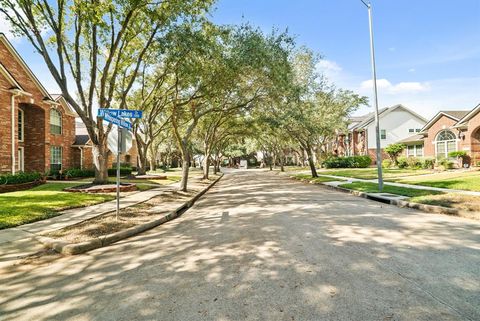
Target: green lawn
(41, 202)
(373, 188)
(317, 180)
(469, 181)
(371, 173)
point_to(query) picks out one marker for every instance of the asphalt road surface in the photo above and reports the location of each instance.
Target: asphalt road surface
(259, 246)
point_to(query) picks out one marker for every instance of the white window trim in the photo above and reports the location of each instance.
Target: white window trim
(21, 160)
(21, 111)
(61, 121)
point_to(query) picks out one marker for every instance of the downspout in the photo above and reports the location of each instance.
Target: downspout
(81, 157)
(14, 94)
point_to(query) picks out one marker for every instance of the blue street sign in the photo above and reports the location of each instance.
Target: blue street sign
(117, 121)
(121, 113)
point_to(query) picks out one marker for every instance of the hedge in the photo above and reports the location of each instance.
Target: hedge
(348, 162)
(20, 178)
(123, 171)
(77, 172)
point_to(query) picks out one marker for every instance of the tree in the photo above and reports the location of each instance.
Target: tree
(241, 63)
(89, 46)
(393, 151)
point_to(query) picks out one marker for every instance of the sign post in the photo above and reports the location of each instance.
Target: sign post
(116, 117)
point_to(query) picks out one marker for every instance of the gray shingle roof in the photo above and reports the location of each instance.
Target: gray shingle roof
(81, 140)
(456, 113)
(412, 139)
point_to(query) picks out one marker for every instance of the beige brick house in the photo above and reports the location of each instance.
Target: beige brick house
(37, 130)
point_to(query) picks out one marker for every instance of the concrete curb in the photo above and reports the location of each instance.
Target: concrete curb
(79, 248)
(399, 203)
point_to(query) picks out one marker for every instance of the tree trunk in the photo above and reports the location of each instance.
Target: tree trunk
(100, 161)
(142, 163)
(185, 170)
(282, 162)
(311, 162)
(206, 167)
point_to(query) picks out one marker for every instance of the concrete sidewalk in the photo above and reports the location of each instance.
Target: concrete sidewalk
(20, 241)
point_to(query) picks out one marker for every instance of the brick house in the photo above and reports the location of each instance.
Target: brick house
(83, 156)
(396, 123)
(37, 129)
(447, 131)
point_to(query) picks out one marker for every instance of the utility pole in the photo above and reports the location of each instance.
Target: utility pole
(375, 99)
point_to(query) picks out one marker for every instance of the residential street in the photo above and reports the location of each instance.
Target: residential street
(259, 246)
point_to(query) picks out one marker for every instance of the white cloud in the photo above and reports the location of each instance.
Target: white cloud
(5, 28)
(401, 87)
(411, 70)
(328, 65)
(392, 49)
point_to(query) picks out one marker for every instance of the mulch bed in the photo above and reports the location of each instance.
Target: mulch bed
(135, 215)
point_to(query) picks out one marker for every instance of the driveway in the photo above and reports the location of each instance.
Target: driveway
(259, 246)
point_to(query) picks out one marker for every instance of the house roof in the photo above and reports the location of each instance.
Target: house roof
(452, 114)
(10, 78)
(370, 117)
(456, 113)
(81, 140)
(469, 115)
(68, 108)
(27, 69)
(412, 139)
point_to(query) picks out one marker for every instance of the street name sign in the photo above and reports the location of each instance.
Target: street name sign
(117, 121)
(121, 113)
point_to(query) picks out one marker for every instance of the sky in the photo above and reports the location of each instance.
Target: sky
(427, 51)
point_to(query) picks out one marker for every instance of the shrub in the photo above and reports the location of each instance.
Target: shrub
(123, 171)
(402, 162)
(20, 178)
(459, 154)
(347, 162)
(77, 172)
(446, 163)
(428, 163)
(414, 163)
(393, 151)
(386, 163)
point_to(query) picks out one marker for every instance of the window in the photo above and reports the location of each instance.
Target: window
(55, 122)
(55, 158)
(383, 134)
(417, 130)
(20, 125)
(410, 150)
(445, 143)
(419, 150)
(411, 130)
(415, 151)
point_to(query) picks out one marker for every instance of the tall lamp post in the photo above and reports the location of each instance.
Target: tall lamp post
(375, 98)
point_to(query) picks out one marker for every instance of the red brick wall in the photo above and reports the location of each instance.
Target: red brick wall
(441, 124)
(472, 138)
(5, 129)
(38, 139)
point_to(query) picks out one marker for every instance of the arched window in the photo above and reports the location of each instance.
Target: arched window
(445, 143)
(55, 122)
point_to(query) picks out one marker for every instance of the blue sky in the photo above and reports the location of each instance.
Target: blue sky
(428, 52)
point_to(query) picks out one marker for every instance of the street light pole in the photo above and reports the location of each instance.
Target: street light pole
(375, 99)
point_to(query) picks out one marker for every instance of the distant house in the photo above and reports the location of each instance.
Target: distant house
(396, 123)
(448, 131)
(37, 130)
(83, 155)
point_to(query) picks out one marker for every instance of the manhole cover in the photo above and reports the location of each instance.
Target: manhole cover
(390, 195)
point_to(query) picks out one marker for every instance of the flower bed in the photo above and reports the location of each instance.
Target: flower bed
(21, 186)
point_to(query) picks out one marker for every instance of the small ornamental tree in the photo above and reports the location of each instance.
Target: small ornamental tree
(393, 151)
